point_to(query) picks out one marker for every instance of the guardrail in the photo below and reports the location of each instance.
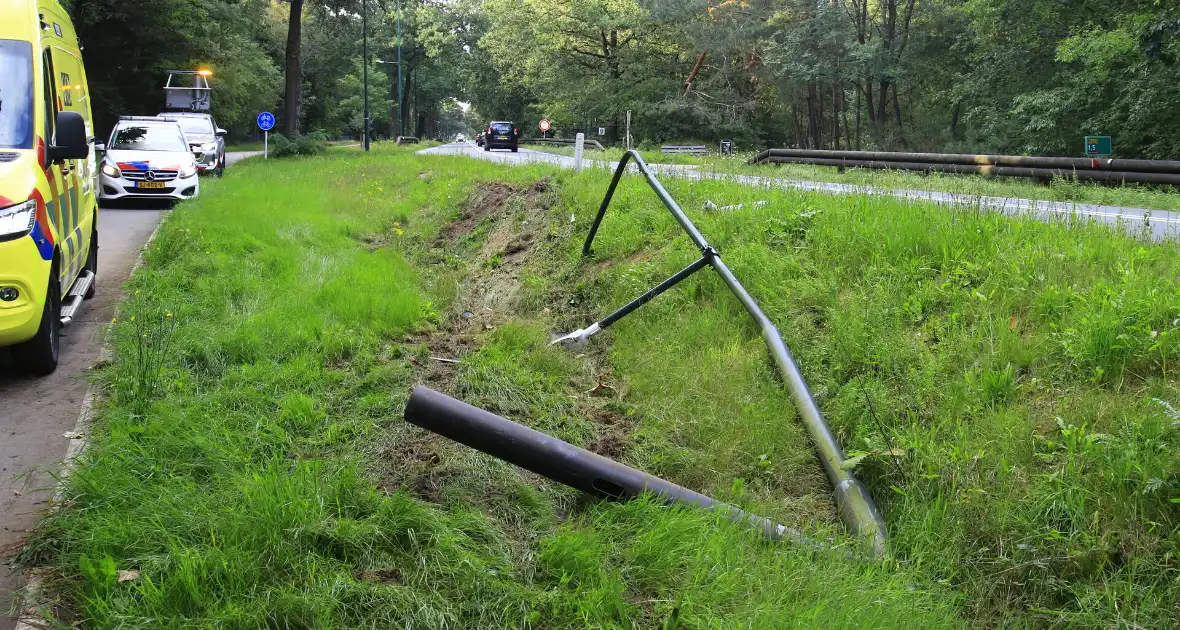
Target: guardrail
(407, 140)
(693, 149)
(853, 502)
(565, 142)
(1164, 172)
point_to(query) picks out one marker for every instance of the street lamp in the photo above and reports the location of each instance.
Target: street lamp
(365, 55)
(398, 63)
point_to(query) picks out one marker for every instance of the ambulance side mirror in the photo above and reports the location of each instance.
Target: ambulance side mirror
(71, 142)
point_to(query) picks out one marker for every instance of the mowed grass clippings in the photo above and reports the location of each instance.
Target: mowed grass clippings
(239, 473)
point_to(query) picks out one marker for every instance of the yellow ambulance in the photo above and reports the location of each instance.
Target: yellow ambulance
(48, 180)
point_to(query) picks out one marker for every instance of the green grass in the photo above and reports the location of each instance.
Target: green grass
(1007, 381)
(1130, 196)
(258, 146)
(615, 153)
(245, 146)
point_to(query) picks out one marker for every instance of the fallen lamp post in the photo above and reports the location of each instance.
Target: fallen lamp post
(853, 501)
(565, 463)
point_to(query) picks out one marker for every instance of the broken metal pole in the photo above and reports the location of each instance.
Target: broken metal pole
(565, 463)
(853, 501)
(579, 337)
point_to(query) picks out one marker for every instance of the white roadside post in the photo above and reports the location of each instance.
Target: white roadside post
(578, 144)
(265, 144)
(627, 138)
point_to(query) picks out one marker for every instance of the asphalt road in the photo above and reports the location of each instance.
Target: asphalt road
(233, 157)
(1158, 224)
(37, 412)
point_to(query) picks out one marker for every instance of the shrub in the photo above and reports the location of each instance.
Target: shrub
(297, 145)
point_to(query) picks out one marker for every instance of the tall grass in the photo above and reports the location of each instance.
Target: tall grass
(1007, 386)
(1002, 377)
(265, 480)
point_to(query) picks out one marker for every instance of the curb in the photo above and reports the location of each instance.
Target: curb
(31, 616)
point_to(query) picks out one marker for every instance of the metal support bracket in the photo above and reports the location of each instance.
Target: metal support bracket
(853, 502)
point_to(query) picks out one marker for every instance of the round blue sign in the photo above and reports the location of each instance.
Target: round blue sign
(266, 121)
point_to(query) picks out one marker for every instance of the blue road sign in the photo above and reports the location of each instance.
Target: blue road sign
(266, 121)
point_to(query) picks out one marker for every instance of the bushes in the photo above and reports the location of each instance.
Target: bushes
(299, 144)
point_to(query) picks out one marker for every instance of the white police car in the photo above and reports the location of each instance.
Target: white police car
(147, 158)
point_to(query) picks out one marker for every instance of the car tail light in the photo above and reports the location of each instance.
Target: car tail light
(515, 132)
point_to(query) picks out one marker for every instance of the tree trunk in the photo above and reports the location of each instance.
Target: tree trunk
(955, 113)
(836, 116)
(897, 110)
(812, 122)
(858, 118)
(897, 107)
(693, 75)
(844, 114)
(407, 93)
(293, 96)
(869, 100)
(883, 104)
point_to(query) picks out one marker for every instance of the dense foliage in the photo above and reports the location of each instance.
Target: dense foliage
(1016, 76)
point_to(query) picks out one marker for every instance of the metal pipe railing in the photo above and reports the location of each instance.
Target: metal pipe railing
(855, 505)
(1114, 177)
(1027, 161)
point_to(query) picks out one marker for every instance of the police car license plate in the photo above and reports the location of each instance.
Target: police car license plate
(149, 184)
(501, 137)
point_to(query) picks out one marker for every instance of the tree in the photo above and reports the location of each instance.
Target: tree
(128, 52)
(293, 92)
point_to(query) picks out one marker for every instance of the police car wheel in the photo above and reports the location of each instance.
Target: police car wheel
(38, 356)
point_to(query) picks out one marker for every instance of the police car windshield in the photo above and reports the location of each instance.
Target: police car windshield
(16, 94)
(148, 138)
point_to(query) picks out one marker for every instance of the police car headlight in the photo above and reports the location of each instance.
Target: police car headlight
(188, 171)
(209, 148)
(110, 170)
(18, 219)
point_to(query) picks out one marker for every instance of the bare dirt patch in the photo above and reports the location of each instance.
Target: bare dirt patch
(499, 232)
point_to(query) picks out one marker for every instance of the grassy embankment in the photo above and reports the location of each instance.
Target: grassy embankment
(245, 146)
(1130, 196)
(1003, 379)
(258, 146)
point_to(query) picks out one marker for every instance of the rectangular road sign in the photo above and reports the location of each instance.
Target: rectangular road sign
(1098, 146)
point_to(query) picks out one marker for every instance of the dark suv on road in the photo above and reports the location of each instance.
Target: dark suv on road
(501, 134)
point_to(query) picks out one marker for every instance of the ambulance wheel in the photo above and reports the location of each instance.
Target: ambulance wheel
(38, 356)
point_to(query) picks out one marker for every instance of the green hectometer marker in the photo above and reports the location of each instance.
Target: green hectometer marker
(1098, 146)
